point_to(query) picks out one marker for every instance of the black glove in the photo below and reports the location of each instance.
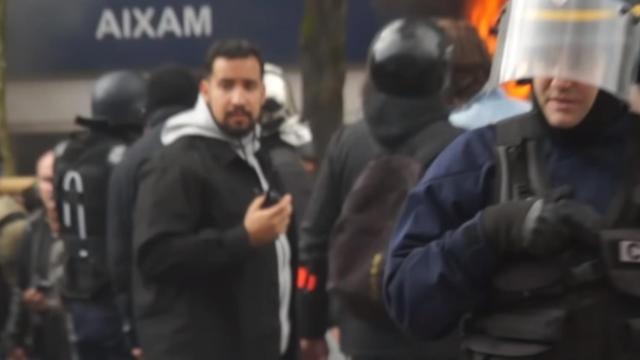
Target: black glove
(540, 227)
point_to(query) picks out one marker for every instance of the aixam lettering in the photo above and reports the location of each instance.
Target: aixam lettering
(150, 23)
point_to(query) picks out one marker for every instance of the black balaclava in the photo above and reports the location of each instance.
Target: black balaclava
(394, 120)
(605, 115)
(169, 89)
(407, 80)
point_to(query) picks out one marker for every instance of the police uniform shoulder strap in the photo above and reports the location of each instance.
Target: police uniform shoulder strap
(625, 208)
(513, 131)
(10, 211)
(429, 142)
(518, 167)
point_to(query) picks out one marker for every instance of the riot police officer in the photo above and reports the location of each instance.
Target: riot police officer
(285, 136)
(504, 234)
(82, 168)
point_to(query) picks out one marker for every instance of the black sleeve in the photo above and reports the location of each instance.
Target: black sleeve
(17, 325)
(15, 331)
(120, 228)
(295, 179)
(171, 244)
(23, 258)
(322, 212)
(121, 200)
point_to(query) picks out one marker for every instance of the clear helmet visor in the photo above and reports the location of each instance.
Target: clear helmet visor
(594, 42)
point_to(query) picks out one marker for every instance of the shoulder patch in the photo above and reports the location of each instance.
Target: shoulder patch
(60, 148)
(116, 154)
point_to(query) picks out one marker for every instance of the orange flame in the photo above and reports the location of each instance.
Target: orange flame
(483, 15)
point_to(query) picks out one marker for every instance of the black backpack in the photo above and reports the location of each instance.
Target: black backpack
(360, 236)
(82, 168)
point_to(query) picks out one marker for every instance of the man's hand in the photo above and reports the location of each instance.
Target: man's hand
(17, 354)
(541, 227)
(137, 353)
(35, 300)
(314, 349)
(265, 224)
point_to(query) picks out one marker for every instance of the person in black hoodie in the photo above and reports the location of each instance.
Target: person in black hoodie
(170, 90)
(213, 253)
(404, 105)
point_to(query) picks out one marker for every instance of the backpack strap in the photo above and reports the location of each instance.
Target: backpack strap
(11, 217)
(10, 211)
(519, 169)
(430, 141)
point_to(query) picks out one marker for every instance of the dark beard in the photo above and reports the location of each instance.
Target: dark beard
(236, 132)
(231, 131)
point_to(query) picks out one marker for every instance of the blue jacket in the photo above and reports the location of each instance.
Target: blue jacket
(440, 262)
(488, 108)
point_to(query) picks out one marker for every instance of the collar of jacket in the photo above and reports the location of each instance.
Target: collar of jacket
(607, 122)
(226, 154)
(199, 121)
(223, 152)
(159, 116)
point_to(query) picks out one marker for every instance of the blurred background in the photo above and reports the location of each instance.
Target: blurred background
(54, 50)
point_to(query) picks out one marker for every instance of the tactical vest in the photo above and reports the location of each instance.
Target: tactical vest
(583, 304)
(82, 168)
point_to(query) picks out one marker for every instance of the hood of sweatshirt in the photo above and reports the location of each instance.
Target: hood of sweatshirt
(199, 121)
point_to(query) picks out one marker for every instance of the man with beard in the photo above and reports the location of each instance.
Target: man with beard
(526, 232)
(213, 256)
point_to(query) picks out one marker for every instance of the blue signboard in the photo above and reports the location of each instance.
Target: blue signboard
(79, 36)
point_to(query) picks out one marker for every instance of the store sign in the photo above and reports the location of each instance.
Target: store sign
(47, 38)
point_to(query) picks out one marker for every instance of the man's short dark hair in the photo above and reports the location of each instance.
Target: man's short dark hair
(232, 49)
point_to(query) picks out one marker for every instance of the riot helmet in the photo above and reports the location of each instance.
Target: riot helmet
(594, 42)
(118, 100)
(278, 105)
(410, 58)
(279, 113)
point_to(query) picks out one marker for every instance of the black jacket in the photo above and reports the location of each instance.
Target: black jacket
(444, 269)
(350, 149)
(123, 190)
(286, 160)
(201, 291)
(44, 333)
(390, 124)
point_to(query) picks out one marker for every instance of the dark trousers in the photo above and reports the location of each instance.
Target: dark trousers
(97, 331)
(50, 336)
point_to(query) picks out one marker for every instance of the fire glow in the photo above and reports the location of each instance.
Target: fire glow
(483, 15)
